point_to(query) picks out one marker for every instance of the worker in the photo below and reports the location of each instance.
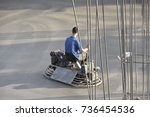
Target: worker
(73, 48)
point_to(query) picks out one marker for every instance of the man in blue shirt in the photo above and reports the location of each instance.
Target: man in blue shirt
(73, 48)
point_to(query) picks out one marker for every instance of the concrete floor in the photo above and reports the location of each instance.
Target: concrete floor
(29, 30)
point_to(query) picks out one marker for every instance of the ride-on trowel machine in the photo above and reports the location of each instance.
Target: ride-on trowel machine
(73, 73)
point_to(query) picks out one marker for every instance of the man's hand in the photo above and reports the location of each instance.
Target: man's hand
(85, 50)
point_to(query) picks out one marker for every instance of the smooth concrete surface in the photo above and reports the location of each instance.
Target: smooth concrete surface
(30, 29)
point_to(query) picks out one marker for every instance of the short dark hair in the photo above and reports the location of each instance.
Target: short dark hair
(75, 30)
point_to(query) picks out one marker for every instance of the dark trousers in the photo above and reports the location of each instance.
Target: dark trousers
(71, 57)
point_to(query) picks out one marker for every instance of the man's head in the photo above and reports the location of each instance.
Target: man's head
(75, 31)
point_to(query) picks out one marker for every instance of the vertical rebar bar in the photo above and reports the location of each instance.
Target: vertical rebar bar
(131, 47)
(123, 49)
(143, 48)
(105, 49)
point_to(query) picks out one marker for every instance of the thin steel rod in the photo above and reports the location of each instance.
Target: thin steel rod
(119, 36)
(88, 38)
(96, 36)
(147, 46)
(105, 49)
(76, 19)
(135, 49)
(143, 47)
(123, 49)
(131, 47)
(126, 44)
(90, 35)
(101, 58)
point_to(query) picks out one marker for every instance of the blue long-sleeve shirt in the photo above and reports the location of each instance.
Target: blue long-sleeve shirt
(73, 46)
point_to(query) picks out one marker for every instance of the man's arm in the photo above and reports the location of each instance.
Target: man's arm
(80, 47)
